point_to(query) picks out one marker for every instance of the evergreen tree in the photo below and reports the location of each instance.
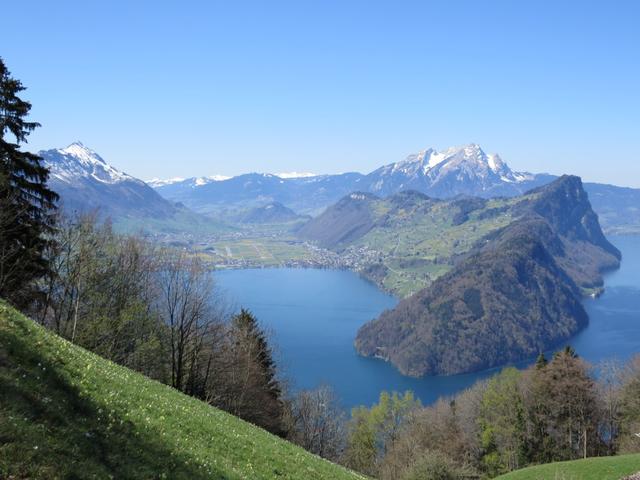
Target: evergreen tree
(258, 396)
(569, 408)
(27, 205)
(541, 361)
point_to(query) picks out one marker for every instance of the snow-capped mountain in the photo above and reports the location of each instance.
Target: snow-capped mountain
(75, 161)
(465, 170)
(86, 182)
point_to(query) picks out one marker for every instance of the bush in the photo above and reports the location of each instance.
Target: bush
(434, 466)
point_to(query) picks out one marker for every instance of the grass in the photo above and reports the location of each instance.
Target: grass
(597, 468)
(67, 413)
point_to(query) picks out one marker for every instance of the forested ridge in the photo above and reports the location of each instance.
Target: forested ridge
(517, 293)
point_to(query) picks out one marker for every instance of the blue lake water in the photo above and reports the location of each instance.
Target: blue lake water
(313, 316)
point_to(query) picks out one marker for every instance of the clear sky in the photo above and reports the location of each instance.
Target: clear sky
(185, 88)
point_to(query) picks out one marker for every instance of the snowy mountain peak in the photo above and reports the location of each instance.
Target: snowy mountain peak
(462, 169)
(77, 161)
(470, 158)
(82, 153)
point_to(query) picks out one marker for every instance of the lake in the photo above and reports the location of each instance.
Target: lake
(313, 316)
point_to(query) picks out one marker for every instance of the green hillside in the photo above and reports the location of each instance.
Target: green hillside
(67, 413)
(600, 468)
(415, 238)
(407, 241)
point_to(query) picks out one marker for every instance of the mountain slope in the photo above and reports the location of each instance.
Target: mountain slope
(67, 413)
(515, 293)
(273, 212)
(87, 183)
(343, 222)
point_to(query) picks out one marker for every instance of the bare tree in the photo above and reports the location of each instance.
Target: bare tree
(78, 242)
(185, 296)
(609, 385)
(99, 294)
(630, 407)
(318, 423)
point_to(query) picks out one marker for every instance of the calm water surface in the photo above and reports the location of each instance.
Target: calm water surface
(313, 316)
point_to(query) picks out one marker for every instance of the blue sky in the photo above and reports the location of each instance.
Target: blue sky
(168, 88)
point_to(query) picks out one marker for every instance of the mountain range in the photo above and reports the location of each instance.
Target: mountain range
(86, 181)
(466, 171)
(456, 171)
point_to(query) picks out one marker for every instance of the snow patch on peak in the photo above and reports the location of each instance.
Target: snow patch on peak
(357, 196)
(287, 175)
(158, 182)
(218, 178)
(192, 182)
(78, 150)
(199, 181)
(494, 162)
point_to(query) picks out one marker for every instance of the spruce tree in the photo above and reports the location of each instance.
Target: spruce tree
(27, 205)
(261, 391)
(541, 361)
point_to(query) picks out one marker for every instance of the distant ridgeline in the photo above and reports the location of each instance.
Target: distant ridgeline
(501, 279)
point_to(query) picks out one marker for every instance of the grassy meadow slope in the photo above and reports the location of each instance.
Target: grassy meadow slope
(67, 413)
(598, 468)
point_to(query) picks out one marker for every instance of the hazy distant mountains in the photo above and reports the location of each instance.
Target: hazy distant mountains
(457, 171)
(466, 170)
(307, 195)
